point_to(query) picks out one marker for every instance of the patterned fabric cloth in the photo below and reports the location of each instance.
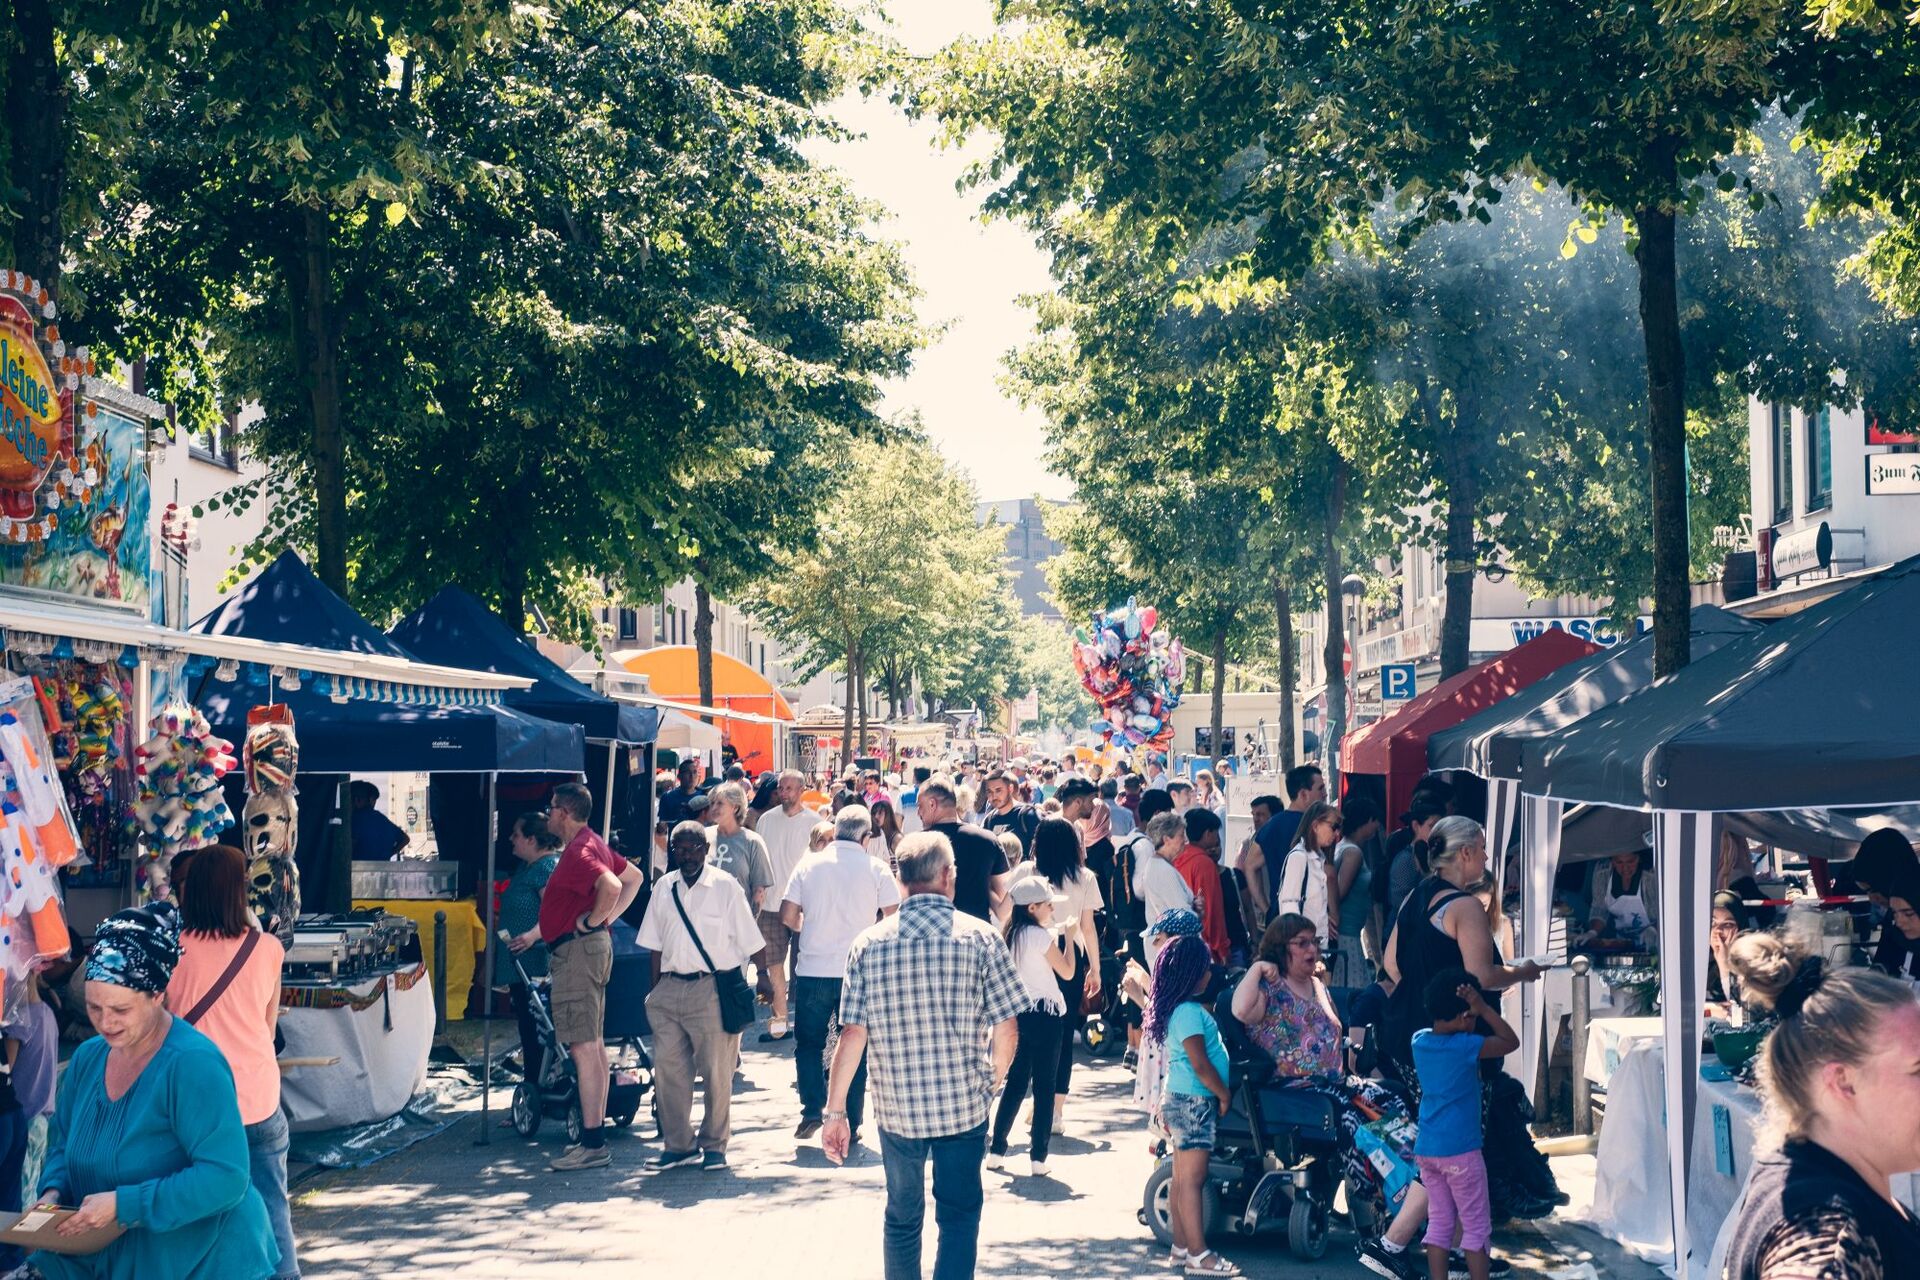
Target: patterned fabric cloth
(1825, 1242)
(929, 984)
(1299, 1035)
(137, 948)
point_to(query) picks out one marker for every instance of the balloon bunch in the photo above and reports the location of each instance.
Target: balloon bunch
(1133, 671)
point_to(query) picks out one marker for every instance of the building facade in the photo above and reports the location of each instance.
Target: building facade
(1028, 550)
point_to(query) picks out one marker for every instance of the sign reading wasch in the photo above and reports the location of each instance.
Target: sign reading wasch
(1496, 635)
(1893, 473)
(1797, 553)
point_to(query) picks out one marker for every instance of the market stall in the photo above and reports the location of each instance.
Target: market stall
(1805, 716)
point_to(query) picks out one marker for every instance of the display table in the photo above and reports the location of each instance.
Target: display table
(1609, 1040)
(380, 1028)
(1630, 1184)
(466, 938)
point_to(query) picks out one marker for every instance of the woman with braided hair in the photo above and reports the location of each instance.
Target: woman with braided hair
(1840, 1075)
(1196, 1092)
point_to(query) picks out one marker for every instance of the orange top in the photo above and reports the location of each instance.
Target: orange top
(241, 1020)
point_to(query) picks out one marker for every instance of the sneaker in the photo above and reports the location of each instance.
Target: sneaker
(1130, 1060)
(996, 1162)
(1037, 1168)
(575, 1158)
(669, 1160)
(713, 1162)
(1377, 1258)
(807, 1129)
(1457, 1266)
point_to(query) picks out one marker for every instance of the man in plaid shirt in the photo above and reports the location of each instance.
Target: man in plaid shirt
(927, 991)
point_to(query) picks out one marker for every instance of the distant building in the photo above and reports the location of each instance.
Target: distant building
(1028, 550)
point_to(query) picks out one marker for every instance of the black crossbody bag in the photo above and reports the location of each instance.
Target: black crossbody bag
(736, 994)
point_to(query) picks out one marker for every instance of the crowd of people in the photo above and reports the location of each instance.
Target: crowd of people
(933, 946)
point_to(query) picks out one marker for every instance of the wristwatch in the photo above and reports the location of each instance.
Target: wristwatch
(833, 1115)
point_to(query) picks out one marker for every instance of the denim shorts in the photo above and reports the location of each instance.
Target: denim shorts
(1190, 1120)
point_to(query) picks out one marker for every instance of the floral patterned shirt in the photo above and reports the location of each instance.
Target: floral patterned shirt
(1299, 1035)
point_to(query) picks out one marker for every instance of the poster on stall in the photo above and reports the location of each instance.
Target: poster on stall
(74, 484)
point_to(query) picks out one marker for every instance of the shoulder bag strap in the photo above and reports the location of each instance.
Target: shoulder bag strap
(219, 988)
(691, 931)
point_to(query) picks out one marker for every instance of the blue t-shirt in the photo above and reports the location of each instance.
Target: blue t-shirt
(1192, 1018)
(1276, 841)
(1448, 1068)
(374, 835)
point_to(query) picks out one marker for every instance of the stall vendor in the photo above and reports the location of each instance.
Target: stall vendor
(1730, 921)
(1625, 905)
(1899, 949)
(376, 837)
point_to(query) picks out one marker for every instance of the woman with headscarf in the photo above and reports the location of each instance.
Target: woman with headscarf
(146, 1132)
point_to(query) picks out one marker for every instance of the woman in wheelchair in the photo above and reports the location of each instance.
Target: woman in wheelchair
(1288, 1015)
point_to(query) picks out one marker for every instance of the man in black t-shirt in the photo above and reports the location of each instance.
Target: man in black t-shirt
(1006, 813)
(979, 863)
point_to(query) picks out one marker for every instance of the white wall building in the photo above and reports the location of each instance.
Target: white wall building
(1833, 492)
(194, 468)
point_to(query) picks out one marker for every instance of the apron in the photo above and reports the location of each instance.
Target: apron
(1628, 912)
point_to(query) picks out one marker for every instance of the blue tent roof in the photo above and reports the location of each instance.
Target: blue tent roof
(285, 602)
(456, 630)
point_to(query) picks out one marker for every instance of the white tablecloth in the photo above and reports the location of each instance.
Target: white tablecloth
(379, 1068)
(1610, 1039)
(1630, 1197)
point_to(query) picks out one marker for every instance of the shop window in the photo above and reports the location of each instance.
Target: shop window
(1782, 464)
(629, 624)
(1819, 459)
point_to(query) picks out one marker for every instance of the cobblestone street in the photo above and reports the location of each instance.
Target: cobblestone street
(451, 1207)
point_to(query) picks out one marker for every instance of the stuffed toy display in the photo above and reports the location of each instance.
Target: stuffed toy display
(37, 838)
(272, 819)
(181, 805)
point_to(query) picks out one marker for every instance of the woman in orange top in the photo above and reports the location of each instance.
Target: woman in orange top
(227, 985)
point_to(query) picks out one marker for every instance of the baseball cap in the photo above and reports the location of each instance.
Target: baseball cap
(1031, 891)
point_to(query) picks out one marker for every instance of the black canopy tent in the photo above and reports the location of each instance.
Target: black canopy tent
(1820, 711)
(458, 630)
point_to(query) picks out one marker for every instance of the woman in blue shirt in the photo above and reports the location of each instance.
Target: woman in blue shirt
(539, 852)
(146, 1130)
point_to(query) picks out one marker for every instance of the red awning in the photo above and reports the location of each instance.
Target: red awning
(1396, 746)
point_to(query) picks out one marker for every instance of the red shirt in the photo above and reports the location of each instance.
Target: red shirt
(1202, 875)
(569, 891)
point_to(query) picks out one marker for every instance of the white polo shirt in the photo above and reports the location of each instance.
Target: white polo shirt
(717, 905)
(841, 891)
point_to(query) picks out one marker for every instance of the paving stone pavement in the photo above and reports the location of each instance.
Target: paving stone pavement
(449, 1207)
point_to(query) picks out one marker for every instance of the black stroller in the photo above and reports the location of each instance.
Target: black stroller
(557, 1092)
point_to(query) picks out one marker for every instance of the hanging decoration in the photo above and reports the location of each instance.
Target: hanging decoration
(181, 804)
(272, 819)
(1133, 670)
(37, 838)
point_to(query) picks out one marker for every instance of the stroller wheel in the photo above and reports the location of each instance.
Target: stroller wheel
(624, 1119)
(575, 1125)
(526, 1109)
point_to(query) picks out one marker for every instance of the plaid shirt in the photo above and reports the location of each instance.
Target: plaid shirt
(929, 984)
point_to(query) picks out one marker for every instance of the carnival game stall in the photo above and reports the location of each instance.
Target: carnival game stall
(359, 984)
(1808, 716)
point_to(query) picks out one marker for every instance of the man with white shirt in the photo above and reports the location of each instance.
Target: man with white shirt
(832, 897)
(701, 908)
(786, 830)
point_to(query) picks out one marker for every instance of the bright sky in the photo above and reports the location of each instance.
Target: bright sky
(971, 274)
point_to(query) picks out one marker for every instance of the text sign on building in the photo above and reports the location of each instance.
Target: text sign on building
(1802, 552)
(1397, 682)
(1495, 635)
(1893, 473)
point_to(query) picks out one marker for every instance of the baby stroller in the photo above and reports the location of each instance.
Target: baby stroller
(1104, 1031)
(630, 1071)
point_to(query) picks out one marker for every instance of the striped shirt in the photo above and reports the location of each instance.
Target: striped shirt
(929, 985)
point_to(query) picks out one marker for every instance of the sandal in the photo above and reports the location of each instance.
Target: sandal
(1208, 1263)
(1178, 1258)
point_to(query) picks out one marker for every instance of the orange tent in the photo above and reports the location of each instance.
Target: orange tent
(673, 673)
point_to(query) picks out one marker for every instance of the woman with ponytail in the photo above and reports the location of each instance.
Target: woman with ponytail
(1840, 1076)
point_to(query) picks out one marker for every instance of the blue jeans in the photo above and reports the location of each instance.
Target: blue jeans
(13, 1154)
(957, 1197)
(267, 1165)
(816, 1015)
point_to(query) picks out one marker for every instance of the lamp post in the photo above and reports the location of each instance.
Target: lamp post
(1352, 587)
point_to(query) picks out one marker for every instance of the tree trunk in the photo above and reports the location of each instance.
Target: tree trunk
(1666, 432)
(1335, 655)
(513, 596)
(317, 355)
(1456, 626)
(863, 704)
(1218, 714)
(36, 98)
(846, 726)
(1289, 671)
(703, 642)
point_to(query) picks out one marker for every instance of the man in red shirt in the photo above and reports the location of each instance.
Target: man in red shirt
(589, 887)
(1199, 866)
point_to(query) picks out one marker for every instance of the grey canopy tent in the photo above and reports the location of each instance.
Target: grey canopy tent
(1819, 711)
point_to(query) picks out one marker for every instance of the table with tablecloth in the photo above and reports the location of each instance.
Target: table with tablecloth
(466, 938)
(1609, 1040)
(381, 1030)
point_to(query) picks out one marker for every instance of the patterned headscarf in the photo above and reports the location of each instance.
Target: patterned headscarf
(137, 948)
(1176, 923)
